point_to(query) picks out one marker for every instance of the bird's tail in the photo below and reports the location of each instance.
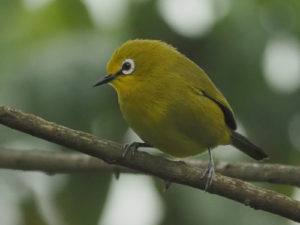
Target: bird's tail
(246, 146)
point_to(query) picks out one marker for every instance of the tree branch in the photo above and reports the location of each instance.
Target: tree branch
(67, 162)
(56, 162)
(261, 172)
(111, 152)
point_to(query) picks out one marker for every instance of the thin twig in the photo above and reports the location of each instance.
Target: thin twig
(258, 172)
(56, 162)
(111, 152)
(70, 162)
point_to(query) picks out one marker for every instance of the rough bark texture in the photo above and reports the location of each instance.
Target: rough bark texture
(111, 152)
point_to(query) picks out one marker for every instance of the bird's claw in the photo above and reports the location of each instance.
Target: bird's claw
(208, 174)
(132, 148)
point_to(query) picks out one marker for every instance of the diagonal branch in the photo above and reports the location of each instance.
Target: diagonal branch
(67, 162)
(111, 152)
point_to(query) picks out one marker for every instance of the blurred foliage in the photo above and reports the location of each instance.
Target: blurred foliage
(31, 213)
(87, 204)
(51, 56)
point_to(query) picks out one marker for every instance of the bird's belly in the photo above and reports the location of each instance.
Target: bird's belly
(167, 138)
(161, 130)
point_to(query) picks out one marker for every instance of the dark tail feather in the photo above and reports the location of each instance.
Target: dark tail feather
(243, 144)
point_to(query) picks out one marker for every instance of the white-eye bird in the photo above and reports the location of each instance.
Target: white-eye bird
(171, 103)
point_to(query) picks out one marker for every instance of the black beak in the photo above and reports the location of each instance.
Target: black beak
(108, 78)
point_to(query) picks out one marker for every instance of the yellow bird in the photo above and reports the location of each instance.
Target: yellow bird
(171, 103)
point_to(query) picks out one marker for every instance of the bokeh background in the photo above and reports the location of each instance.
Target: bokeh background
(51, 53)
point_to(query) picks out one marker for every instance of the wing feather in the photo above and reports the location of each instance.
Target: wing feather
(196, 78)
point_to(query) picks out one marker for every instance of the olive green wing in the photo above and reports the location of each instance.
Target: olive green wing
(195, 77)
(228, 114)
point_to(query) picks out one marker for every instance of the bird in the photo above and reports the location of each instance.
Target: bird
(172, 104)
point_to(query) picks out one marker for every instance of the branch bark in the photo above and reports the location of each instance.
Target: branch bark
(67, 162)
(110, 152)
(56, 162)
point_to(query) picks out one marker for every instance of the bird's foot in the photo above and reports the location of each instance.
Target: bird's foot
(209, 174)
(132, 148)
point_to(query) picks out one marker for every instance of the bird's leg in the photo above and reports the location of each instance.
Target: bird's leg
(132, 148)
(209, 172)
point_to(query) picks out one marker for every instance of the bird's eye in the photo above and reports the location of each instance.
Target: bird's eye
(128, 66)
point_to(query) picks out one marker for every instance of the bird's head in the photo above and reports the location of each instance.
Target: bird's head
(137, 62)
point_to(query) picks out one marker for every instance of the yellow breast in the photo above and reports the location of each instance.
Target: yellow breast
(178, 123)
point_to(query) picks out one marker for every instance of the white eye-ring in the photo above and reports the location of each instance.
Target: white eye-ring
(128, 66)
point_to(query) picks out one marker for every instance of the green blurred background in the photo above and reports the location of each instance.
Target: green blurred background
(51, 53)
